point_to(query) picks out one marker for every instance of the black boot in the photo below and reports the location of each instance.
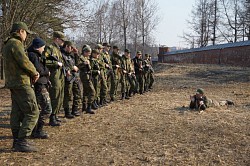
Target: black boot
(103, 102)
(89, 111)
(126, 95)
(94, 106)
(39, 132)
(112, 99)
(123, 96)
(84, 107)
(130, 93)
(99, 103)
(75, 111)
(15, 138)
(22, 145)
(58, 120)
(52, 120)
(68, 114)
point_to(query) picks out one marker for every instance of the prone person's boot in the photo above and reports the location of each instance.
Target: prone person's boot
(89, 110)
(75, 111)
(22, 145)
(52, 120)
(68, 114)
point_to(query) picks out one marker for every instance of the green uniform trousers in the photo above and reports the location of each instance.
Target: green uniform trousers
(96, 84)
(103, 85)
(69, 90)
(114, 83)
(140, 82)
(24, 112)
(88, 89)
(57, 94)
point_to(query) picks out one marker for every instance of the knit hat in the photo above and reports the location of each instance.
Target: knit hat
(38, 43)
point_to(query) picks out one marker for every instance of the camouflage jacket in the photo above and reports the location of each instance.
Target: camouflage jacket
(17, 66)
(126, 64)
(53, 56)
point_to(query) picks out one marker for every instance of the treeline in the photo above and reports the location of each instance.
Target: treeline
(126, 23)
(218, 21)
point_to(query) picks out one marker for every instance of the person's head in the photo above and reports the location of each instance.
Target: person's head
(95, 53)
(99, 47)
(146, 56)
(106, 47)
(86, 50)
(127, 53)
(115, 49)
(58, 38)
(22, 29)
(199, 92)
(38, 44)
(68, 46)
(138, 54)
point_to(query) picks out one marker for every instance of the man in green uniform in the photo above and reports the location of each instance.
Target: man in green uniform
(87, 84)
(56, 66)
(146, 67)
(138, 65)
(151, 74)
(109, 69)
(126, 74)
(103, 77)
(20, 73)
(116, 65)
(96, 75)
(72, 80)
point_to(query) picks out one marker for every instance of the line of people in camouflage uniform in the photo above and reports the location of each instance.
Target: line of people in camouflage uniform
(51, 75)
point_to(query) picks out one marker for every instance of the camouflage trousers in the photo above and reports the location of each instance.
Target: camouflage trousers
(111, 83)
(96, 84)
(125, 86)
(103, 85)
(140, 82)
(24, 112)
(88, 89)
(114, 84)
(69, 90)
(151, 79)
(146, 81)
(44, 104)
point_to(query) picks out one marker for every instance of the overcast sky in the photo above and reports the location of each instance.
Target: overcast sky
(173, 15)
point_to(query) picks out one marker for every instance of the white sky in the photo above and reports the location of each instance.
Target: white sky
(173, 15)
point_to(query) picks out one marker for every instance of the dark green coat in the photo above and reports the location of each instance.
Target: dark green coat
(17, 66)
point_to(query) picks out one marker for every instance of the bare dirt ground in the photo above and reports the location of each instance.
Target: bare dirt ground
(152, 129)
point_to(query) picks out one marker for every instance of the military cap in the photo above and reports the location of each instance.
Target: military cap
(99, 46)
(60, 35)
(139, 52)
(86, 48)
(127, 50)
(115, 47)
(95, 51)
(68, 43)
(200, 91)
(106, 44)
(20, 25)
(146, 55)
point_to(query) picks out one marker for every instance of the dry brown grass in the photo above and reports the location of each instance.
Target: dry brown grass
(152, 129)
